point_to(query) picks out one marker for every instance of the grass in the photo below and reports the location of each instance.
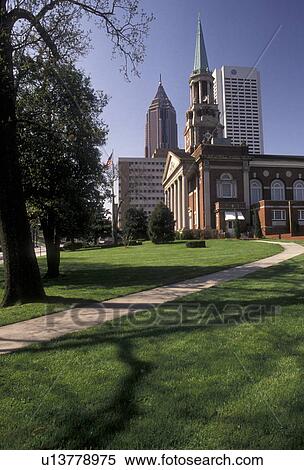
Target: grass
(97, 275)
(218, 379)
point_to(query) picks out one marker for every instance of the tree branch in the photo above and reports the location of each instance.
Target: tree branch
(22, 14)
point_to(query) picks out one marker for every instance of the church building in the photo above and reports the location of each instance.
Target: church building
(213, 183)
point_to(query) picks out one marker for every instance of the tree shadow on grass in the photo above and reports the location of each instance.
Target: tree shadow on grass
(110, 277)
(71, 302)
(98, 427)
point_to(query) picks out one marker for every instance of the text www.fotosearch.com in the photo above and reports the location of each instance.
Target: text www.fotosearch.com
(193, 461)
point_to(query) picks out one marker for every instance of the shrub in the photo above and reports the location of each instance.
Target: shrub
(135, 224)
(186, 234)
(135, 243)
(72, 246)
(178, 235)
(197, 234)
(257, 230)
(237, 229)
(196, 244)
(161, 225)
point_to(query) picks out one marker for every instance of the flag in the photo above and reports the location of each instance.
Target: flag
(110, 161)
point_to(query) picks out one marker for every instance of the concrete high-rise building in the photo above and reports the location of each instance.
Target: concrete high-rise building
(237, 90)
(161, 126)
(140, 183)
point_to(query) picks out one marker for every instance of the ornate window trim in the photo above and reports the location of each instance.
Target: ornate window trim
(256, 191)
(226, 187)
(298, 190)
(278, 190)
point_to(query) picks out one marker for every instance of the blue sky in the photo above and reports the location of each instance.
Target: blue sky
(236, 32)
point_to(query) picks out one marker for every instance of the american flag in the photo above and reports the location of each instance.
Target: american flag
(110, 161)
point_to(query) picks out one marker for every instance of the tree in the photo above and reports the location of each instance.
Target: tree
(161, 224)
(135, 224)
(46, 25)
(237, 228)
(100, 225)
(257, 225)
(63, 179)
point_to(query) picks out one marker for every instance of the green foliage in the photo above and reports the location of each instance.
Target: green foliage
(237, 229)
(161, 225)
(59, 140)
(135, 224)
(186, 234)
(73, 246)
(257, 230)
(100, 225)
(196, 244)
(193, 234)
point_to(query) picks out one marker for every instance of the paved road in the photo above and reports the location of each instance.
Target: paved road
(20, 335)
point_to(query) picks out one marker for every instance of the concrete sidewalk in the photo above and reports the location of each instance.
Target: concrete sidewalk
(20, 335)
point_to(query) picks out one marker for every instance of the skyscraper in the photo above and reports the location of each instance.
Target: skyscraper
(161, 126)
(237, 91)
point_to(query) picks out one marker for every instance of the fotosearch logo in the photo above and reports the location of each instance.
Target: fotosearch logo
(171, 315)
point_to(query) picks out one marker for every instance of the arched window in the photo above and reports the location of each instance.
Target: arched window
(277, 190)
(298, 190)
(226, 186)
(256, 191)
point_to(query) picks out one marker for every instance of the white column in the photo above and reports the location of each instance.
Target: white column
(208, 91)
(207, 204)
(185, 203)
(200, 95)
(197, 204)
(175, 205)
(179, 205)
(246, 185)
(171, 198)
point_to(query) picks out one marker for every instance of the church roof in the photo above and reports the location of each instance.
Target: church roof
(200, 59)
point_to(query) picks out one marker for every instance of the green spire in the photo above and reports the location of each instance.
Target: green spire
(200, 60)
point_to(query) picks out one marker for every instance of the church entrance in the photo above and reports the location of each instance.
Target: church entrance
(230, 227)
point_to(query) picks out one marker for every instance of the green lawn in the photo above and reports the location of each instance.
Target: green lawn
(214, 381)
(96, 275)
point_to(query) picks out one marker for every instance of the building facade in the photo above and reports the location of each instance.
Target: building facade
(140, 183)
(212, 183)
(161, 125)
(237, 91)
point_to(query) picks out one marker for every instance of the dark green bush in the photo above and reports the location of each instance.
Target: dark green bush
(187, 234)
(135, 224)
(72, 246)
(196, 244)
(135, 243)
(161, 225)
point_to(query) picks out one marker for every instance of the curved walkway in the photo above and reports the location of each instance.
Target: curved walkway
(46, 328)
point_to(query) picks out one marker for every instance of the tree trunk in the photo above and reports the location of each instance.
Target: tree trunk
(52, 244)
(22, 277)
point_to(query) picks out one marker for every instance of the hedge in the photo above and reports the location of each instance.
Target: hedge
(196, 244)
